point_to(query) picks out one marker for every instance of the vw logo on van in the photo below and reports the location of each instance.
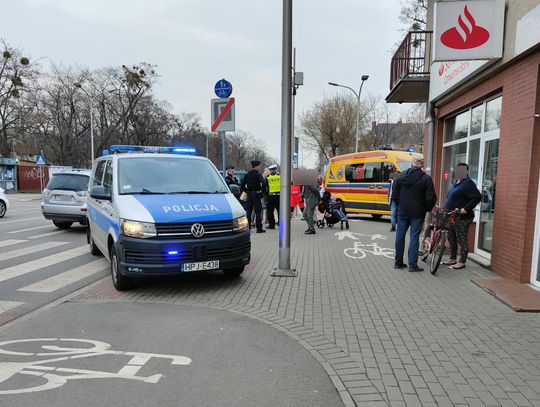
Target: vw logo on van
(197, 230)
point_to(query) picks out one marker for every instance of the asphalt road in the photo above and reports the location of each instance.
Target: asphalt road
(126, 354)
(38, 262)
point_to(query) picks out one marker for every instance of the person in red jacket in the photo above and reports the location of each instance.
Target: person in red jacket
(296, 198)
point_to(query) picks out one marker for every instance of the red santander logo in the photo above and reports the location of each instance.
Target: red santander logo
(466, 35)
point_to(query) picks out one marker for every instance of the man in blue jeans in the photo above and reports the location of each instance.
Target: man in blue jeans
(414, 194)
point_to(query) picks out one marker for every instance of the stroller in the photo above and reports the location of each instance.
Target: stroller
(333, 212)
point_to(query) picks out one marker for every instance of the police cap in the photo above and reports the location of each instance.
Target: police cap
(273, 167)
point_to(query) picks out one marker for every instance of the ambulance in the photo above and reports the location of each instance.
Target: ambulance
(362, 180)
(156, 211)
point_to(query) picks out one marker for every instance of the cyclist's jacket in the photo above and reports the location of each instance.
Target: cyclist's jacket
(464, 195)
(414, 193)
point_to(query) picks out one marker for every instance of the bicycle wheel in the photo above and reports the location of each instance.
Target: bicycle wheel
(425, 245)
(437, 252)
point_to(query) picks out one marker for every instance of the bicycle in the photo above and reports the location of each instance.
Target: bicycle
(360, 250)
(434, 242)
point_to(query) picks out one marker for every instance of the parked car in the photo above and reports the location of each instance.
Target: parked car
(4, 203)
(64, 198)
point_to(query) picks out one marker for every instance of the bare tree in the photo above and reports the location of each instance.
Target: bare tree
(329, 127)
(413, 14)
(16, 75)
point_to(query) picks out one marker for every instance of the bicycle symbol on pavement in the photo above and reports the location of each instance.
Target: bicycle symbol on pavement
(360, 250)
(356, 236)
(56, 350)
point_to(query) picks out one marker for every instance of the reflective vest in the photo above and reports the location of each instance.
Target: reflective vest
(273, 183)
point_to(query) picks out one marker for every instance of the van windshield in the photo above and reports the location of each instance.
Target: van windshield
(168, 175)
(69, 182)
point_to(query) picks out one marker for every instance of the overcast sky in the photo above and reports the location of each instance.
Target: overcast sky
(196, 42)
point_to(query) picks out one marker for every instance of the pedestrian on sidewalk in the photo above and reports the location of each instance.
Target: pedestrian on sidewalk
(312, 197)
(272, 200)
(253, 185)
(414, 194)
(465, 196)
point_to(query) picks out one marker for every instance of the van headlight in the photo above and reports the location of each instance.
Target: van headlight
(138, 229)
(240, 224)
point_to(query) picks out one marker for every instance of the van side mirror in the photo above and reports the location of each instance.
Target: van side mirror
(100, 193)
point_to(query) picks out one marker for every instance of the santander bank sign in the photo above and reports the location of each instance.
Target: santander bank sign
(468, 30)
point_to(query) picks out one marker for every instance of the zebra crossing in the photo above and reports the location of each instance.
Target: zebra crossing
(38, 269)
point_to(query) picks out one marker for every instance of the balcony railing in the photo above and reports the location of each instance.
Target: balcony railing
(412, 58)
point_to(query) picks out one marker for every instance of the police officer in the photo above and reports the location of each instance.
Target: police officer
(254, 184)
(230, 179)
(272, 202)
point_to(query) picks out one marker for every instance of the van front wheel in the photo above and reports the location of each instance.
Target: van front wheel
(120, 282)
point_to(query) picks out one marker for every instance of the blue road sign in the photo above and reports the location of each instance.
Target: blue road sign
(40, 160)
(223, 89)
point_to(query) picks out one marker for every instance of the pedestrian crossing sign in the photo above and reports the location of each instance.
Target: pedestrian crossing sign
(40, 160)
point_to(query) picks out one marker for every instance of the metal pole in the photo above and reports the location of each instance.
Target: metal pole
(91, 131)
(224, 153)
(431, 137)
(207, 135)
(357, 122)
(284, 267)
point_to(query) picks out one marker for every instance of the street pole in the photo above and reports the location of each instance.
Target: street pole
(357, 95)
(284, 266)
(223, 153)
(91, 103)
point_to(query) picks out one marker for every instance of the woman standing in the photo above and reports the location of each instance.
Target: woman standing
(463, 196)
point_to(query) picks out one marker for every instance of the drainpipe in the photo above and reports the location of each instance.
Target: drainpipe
(431, 120)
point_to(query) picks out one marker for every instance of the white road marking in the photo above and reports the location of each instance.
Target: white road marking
(61, 353)
(28, 267)
(7, 305)
(29, 229)
(56, 232)
(29, 250)
(64, 279)
(22, 220)
(11, 242)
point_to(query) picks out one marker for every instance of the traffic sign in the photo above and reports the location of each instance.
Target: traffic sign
(40, 160)
(223, 115)
(223, 89)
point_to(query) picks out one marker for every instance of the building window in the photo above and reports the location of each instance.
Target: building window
(476, 119)
(493, 114)
(457, 127)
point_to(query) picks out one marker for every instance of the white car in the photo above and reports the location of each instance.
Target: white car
(4, 203)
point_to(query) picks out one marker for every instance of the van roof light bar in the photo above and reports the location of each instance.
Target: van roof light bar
(151, 149)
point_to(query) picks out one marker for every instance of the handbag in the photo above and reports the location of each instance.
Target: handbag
(243, 196)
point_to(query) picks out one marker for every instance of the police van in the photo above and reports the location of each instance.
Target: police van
(155, 211)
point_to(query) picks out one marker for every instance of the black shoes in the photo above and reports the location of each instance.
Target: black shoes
(392, 229)
(261, 231)
(310, 232)
(399, 266)
(415, 269)
(270, 227)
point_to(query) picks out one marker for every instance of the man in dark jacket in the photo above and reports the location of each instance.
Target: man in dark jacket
(414, 194)
(230, 178)
(254, 185)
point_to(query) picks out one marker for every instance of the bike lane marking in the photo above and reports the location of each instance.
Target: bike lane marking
(38, 367)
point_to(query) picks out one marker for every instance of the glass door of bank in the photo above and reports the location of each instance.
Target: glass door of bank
(489, 154)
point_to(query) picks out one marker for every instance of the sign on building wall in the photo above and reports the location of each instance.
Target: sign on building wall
(468, 30)
(528, 31)
(445, 76)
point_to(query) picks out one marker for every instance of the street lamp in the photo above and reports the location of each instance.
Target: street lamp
(91, 104)
(357, 94)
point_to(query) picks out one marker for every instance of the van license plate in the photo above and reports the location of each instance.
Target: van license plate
(200, 266)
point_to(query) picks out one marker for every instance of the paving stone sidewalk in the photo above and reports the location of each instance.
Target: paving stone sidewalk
(386, 337)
